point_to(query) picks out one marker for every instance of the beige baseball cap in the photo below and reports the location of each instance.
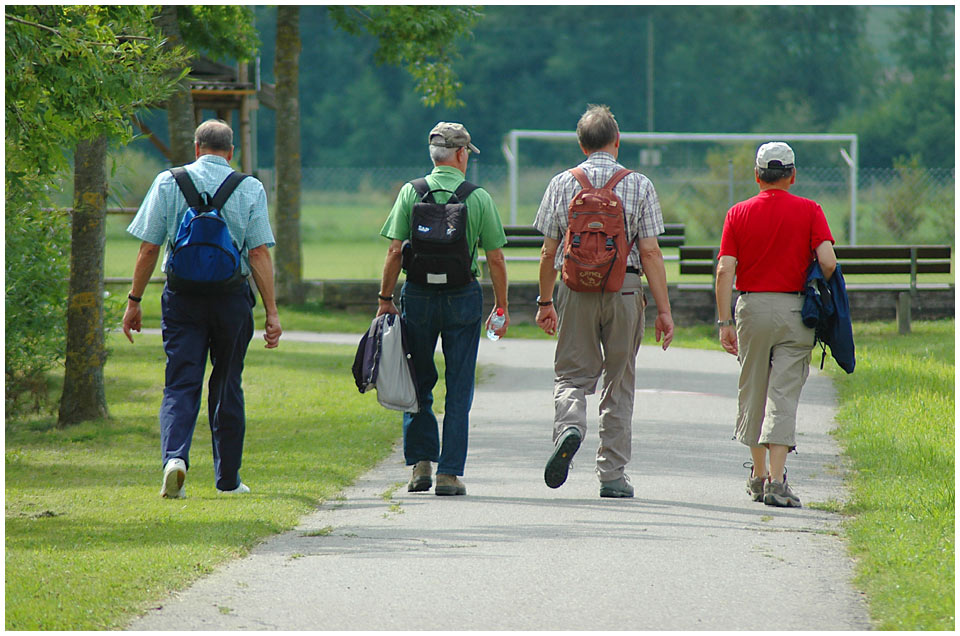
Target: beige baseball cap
(775, 151)
(451, 135)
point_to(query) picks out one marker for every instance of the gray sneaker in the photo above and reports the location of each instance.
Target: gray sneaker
(421, 479)
(778, 493)
(754, 484)
(619, 488)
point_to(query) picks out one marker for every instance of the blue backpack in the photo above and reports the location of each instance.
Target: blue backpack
(204, 258)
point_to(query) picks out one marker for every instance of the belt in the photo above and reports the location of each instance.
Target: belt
(792, 293)
(633, 270)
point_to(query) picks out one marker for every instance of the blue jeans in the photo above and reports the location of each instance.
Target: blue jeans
(193, 327)
(455, 316)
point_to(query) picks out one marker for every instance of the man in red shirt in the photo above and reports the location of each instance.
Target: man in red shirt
(768, 244)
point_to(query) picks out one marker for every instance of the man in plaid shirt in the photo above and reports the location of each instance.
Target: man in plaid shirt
(599, 332)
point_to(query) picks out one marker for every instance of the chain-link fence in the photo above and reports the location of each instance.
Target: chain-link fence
(907, 204)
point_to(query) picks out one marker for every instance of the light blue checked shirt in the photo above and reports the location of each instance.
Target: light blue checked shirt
(640, 203)
(245, 211)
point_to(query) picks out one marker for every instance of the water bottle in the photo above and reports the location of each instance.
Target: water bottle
(495, 323)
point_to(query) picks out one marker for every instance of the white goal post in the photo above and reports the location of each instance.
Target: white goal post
(511, 142)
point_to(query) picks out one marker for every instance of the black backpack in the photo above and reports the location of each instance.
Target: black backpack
(204, 257)
(437, 252)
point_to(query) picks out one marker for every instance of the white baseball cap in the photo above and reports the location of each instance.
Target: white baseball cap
(775, 152)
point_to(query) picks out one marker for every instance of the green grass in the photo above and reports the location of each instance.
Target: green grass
(896, 423)
(89, 542)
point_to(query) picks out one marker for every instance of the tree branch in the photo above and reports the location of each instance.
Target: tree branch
(120, 38)
(33, 24)
(362, 14)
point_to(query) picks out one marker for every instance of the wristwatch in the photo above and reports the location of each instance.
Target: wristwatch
(545, 303)
(726, 323)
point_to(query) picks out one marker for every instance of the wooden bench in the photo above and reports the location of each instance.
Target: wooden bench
(528, 236)
(855, 260)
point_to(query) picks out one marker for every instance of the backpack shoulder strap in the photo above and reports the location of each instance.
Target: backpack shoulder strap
(422, 188)
(187, 187)
(464, 190)
(581, 177)
(616, 178)
(226, 189)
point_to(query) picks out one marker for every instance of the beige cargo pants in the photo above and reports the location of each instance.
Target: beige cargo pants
(598, 339)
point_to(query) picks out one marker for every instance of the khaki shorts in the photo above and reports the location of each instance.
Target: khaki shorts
(774, 364)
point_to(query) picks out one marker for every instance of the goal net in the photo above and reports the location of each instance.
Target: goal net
(698, 176)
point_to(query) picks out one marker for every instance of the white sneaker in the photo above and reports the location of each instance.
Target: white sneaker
(242, 489)
(174, 474)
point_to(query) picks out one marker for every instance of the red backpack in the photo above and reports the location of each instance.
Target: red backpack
(595, 248)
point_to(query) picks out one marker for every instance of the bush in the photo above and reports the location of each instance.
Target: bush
(37, 271)
(916, 210)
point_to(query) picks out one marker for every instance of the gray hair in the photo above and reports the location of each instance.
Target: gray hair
(597, 127)
(440, 154)
(772, 175)
(214, 134)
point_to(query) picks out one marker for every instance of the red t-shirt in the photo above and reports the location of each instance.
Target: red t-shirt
(773, 236)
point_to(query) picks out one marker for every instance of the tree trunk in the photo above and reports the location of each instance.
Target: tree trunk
(180, 117)
(287, 208)
(83, 394)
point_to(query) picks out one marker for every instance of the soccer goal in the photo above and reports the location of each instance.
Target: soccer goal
(651, 155)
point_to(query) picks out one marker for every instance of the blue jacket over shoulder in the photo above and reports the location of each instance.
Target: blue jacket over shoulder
(826, 308)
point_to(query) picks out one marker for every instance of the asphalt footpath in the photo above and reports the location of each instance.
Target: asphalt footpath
(690, 551)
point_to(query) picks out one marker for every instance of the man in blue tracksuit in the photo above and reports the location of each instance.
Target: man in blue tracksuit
(194, 326)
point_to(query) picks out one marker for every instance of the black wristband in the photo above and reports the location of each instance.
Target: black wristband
(381, 297)
(134, 298)
(545, 303)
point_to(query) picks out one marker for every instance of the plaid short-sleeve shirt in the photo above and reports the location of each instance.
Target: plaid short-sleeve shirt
(641, 206)
(245, 212)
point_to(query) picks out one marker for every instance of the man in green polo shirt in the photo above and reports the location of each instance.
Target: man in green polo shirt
(434, 309)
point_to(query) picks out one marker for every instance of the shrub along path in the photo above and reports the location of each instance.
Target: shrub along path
(690, 551)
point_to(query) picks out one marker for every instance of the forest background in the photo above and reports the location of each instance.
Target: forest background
(885, 73)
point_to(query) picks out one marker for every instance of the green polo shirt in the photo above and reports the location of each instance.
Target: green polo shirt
(483, 218)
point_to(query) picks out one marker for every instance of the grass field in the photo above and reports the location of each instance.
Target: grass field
(89, 544)
(896, 422)
(88, 541)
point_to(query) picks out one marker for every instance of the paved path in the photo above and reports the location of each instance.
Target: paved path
(690, 551)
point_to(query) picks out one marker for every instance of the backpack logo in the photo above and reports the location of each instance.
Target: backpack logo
(203, 256)
(595, 247)
(423, 228)
(591, 279)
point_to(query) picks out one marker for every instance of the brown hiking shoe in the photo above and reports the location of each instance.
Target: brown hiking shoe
(421, 479)
(449, 485)
(754, 484)
(778, 493)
